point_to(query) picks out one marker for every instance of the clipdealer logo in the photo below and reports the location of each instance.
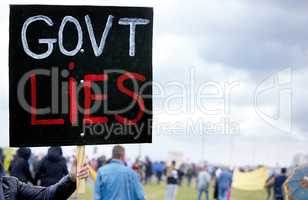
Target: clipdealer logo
(273, 100)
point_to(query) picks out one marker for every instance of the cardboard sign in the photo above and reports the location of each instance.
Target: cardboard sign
(80, 75)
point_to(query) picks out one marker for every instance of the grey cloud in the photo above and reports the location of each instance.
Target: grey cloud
(257, 37)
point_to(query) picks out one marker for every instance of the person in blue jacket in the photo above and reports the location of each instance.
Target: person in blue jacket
(117, 181)
(224, 184)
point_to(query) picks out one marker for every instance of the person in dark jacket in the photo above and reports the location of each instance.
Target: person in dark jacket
(277, 183)
(13, 189)
(1, 155)
(19, 166)
(2, 170)
(148, 170)
(52, 168)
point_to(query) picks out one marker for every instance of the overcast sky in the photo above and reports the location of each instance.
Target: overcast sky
(255, 53)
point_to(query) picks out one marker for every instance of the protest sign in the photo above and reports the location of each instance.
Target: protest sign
(80, 75)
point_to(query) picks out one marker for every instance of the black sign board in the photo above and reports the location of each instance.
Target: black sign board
(80, 75)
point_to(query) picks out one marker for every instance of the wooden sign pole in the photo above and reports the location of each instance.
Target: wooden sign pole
(81, 183)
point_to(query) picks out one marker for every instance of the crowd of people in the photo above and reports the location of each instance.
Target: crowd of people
(119, 179)
(45, 172)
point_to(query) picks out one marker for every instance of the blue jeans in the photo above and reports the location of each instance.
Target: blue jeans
(206, 192)
(223, 193)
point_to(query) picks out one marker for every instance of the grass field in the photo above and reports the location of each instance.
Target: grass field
(156, 192)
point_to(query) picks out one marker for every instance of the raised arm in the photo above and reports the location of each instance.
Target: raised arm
(60, 191)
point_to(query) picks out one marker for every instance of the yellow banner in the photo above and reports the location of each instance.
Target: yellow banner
(253, 180)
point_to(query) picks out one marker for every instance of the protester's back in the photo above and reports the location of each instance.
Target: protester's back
(278, 184)
(203, 180)
(52, 168)
(19, 166)
(225, 179)
(117, 181)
